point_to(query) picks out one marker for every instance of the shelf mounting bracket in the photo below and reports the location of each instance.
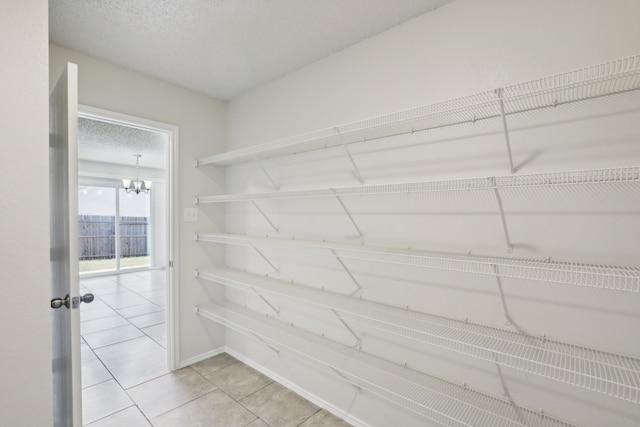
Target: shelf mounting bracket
(506, 392)
(507, 316)
(273, 182)
(505, 127)
(259, 338)
(344, 266)
(358, 344)
(353, 222)
(356, 170)
(253, 202)
(263, 256)
(341, 375)
(265, 300)
(502, 217)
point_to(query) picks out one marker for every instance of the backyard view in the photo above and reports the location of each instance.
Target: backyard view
(113, 229)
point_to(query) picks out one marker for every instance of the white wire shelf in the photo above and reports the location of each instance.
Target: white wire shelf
(604, 372)
(580, 177)
(610, 78)
(438, 400)
(616, 278)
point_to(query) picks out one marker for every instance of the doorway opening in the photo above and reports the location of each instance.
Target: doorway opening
(126, 255)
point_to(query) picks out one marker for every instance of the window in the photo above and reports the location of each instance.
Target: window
(113, 229)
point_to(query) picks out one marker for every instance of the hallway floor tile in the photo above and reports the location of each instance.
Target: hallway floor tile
(126, 381)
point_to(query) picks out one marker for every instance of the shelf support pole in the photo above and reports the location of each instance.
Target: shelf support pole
(253, 202)
(346, 325)
(502, 217)
(504, 127)
(356, 170)
(353, 222)
(344, 266)
(263, 256)
(265, 300)
(273, 182)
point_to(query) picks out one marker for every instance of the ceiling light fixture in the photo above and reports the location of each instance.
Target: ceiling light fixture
(137, 185)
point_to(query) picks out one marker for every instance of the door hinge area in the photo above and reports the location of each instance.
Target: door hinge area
(170, 264)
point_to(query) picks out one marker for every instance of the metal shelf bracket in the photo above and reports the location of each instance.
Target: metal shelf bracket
(273, 182)
(341, 375)
(253, 202)
(507, 316)
(344, 266)
(356, 170)
(504, 127)
(259, 338)
(263, 256)
(353, 222)
(502, 217)
(358, 344)
(266, 301)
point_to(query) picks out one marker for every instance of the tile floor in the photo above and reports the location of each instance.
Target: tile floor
(126, 382)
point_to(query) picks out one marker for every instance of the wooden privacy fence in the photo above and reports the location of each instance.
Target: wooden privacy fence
(97, 236)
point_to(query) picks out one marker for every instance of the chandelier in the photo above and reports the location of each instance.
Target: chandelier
(137, 185)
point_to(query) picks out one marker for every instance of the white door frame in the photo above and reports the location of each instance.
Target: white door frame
(94, 113)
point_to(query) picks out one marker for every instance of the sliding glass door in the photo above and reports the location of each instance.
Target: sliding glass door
(114, 229)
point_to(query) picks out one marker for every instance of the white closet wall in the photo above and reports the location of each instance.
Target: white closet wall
(461, 49)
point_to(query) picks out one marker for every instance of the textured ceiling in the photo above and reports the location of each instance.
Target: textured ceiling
(221, 47)
(106, 142)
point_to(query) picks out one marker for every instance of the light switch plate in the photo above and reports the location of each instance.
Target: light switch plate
(190, 214)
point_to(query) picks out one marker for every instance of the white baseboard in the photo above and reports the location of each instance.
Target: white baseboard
(302, 392)
(200, 357)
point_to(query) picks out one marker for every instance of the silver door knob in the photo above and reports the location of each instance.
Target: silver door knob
(75, 301)
(87, 298)
(59, 302)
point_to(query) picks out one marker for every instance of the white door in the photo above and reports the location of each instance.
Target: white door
(63, 178)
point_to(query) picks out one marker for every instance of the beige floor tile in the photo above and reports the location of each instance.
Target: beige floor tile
(130, 417)
(156, 332)
(97, 283)
(122, 299)
(98, 313)
(258, 423)
(169, 391)
(112, 336)
(153, 293)
(238, 380)
(103, 399)
(91, 326)
(279, 406)
(86, 353)
(149, 319)
(212, 409)
(139, 310)
(95, 305)
(212, 364)
(94, 372)
(324, 419)
(159, 301)
(135, 361)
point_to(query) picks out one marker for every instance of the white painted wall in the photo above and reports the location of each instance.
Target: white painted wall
(25, 359)
(201, 130)
(465, 47)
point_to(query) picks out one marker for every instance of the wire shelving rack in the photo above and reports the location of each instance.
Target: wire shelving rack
(616, 175)
(618, 278)
(441, 401)
(605, 372)
(609, 78)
